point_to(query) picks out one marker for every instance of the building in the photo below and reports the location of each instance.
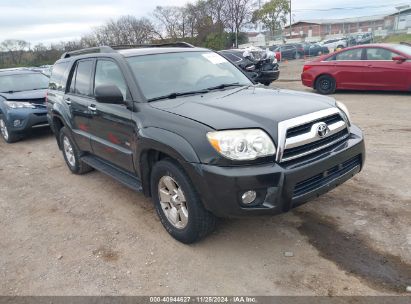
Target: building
(380, 25)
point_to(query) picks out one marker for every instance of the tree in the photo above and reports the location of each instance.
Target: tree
(272, 14)
(125, 30)
(238, 13)
(170, 21)
(15, 48)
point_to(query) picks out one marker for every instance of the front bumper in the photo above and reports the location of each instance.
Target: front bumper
(307, 79)
(28, 119)
(279, 187)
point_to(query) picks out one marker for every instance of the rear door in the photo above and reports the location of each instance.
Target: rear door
(348, 69)
(79, 98)
(111, 129)
(382, 72)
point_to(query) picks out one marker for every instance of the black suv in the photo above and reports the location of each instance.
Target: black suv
(189, 129)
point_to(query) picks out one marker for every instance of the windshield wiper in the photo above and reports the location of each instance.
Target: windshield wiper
(225, 85)
(178, 94)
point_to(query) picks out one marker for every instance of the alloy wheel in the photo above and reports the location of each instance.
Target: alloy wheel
(3, 129)
(173, 202)
(68, 151)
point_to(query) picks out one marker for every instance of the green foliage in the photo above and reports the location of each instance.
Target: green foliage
(272, 14)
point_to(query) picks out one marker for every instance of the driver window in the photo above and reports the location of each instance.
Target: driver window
(108, 73)
(379, 54)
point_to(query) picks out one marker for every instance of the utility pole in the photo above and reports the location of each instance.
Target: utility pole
(291, 28)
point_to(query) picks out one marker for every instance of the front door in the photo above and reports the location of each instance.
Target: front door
(383, 73)
(112, 130)
(79, 98)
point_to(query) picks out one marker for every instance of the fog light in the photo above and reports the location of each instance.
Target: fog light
(17, 123)
(248, 197)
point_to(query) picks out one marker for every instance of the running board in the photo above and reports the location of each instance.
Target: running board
(118, 174)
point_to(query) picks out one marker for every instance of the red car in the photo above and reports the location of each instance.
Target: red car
(366, 67)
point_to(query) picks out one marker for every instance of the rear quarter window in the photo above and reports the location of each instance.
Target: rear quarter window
(58, 79)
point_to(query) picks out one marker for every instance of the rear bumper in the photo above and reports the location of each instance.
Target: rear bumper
(268, 76)
(279, 187)
(27, 119)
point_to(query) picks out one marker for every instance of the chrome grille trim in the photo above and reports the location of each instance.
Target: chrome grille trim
(284, 143)
(310, 137)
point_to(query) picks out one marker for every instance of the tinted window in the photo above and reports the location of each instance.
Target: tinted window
(23, 82)
(232, 57)
(108, 73)
(380, 54)
(57, 80)
(349, 55)
(82, 78)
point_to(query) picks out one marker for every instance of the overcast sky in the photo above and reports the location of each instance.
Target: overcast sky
(53, 20)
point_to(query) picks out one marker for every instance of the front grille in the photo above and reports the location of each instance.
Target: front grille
(296, 152)
(325, 177)
(305, 128)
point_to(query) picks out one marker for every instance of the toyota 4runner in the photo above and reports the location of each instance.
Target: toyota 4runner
(189, 129)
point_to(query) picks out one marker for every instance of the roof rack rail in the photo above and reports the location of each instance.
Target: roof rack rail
(112, 49)
(133, 46)
(98, 49)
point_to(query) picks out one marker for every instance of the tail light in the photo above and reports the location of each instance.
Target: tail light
(307, 67)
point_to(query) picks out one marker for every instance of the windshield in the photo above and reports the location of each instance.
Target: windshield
(23, 82)
(164, 74)
(403, 49)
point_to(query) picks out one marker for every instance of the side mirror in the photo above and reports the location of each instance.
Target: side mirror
(399, 59)
(108, 94)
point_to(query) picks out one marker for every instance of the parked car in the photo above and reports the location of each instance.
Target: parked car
(189, 129)
(264, 70)
(314, 49)
(287, 51)
(335, 43)
(22, 102)
(364, 38)
(366, 67)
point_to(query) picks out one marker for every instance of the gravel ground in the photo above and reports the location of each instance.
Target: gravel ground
(63, 234)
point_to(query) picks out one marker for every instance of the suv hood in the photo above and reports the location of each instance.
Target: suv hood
(245, 108)
(25, 95)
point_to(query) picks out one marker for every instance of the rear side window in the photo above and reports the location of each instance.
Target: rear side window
(81, 80)
(354, 54)
(57, 79)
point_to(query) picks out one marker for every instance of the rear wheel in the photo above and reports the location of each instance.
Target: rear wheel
(8, 136)
(325, 84)
(72, 154)
(178, 205)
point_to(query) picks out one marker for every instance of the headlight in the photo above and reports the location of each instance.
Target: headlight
(18, 104)
(344, 109)
(242, 144)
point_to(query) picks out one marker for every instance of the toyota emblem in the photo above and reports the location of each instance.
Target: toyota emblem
(322, 129)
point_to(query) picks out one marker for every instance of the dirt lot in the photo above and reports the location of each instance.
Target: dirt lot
(63, 234)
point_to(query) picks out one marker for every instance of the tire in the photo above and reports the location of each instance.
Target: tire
(340, 47)
(325, 84)
(71, 153)
(8, 136)
(266, 83)
(192, 221)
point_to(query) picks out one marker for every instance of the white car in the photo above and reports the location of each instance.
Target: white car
(334, 43)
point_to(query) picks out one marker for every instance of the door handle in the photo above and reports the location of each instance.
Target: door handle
(92, 108)
(68, 101)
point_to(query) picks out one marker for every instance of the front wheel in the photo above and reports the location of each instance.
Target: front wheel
(178, 205)
(325, 85)
(8, 136)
